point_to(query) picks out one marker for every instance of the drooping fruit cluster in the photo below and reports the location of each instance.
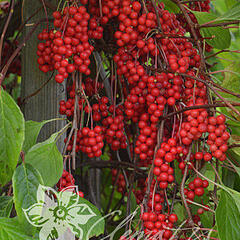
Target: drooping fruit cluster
(66, 181)
(218, 137)
(200, 6)
(155, 72)
(112, 120)
(196, 188)
(89, 141)
(68, 48)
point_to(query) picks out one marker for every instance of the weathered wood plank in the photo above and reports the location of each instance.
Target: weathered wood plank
(45, 104)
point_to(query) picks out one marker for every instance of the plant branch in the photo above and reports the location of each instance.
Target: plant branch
(191, 223)
(207, 25)
(5, 29)
(17, 50)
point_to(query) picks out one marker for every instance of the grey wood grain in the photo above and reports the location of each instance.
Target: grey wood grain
(45, 104)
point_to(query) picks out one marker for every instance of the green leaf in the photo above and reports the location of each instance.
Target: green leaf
(170, 6)
(207, 219)
(179, 210)
(222, 37)
(11, 136)
(227, 217)
(26, 180)
(231, 14)
(228, 178)
(133, 202)
(95, 225)
(177, 172)
(6, 204)
(47, 159)
(32, 130)
(230, 3)
(10, 229)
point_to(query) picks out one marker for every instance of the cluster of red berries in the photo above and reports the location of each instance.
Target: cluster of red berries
(155, 223)
(67, 107)
(67, 180)
(195, 126)
(90, 141)
(92, 87)
(147, 95)
(218, 137)
(200, 6)
(146, 140)
(164, 156)
(67, 49)
(195, 188)
(111, 118)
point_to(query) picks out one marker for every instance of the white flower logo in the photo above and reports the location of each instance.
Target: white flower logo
(56, 213)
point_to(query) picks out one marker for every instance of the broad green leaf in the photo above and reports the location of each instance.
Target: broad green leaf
(230, 3)
(10, 229)
(95, 225)
(228, 178)
(236, 196)
(207, 219)
(11, 136)
(222, 37)
(47, 159)
(227, 217)
(170, 6)
(178, 172)
(231, 14)
(209, 173)
(26, 180)
(133, 202)
(32, 130)
(232, 83)
(6, 204)
(179, 210)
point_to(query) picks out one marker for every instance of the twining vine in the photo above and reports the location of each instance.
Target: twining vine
(155, 115)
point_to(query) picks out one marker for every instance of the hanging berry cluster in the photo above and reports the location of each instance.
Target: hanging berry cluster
(154, 71)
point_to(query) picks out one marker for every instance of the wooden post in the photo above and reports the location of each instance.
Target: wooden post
(45, 104)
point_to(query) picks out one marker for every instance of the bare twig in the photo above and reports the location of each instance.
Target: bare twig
(5, 29)
(219, 24)
(17, 50)
(182, 186)
(38, 90)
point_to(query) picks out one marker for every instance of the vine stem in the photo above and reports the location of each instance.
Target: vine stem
(17, 50)
(208, 85)
(157, 14)
(75, 120)
(221, 51)
(112, 193)
(193, 31)
(5, 29)
(150, 175)
(218, 24)
(216, 172)
(200, 174)
(200, 205)
(38, 90)
(199, 107)
(191, 223)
